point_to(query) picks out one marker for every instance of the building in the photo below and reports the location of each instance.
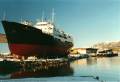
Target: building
(89, 51)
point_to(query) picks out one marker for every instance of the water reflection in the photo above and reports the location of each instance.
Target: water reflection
(107, 68)
(91, 60)
(35, 71)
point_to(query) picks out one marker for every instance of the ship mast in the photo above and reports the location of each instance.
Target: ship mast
(0, 48)
(53, 14)
(4, 15)
(42, 16)
(21, 20)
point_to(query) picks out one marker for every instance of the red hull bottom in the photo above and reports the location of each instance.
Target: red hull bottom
(37, 50)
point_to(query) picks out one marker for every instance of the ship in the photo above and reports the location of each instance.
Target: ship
(41, 39)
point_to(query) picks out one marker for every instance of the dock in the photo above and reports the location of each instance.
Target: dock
(33, 63)
(73, 57)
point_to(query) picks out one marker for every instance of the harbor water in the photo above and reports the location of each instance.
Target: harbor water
(106, 68)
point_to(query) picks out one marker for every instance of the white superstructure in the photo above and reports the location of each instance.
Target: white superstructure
(49, 28)
(45, 27)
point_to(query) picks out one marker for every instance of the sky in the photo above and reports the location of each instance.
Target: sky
(88, 21)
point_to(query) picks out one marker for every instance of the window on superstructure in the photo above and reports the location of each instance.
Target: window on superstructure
(69, 37)
(43, 24)
(60, 36)
(65, 37)
(50, 28)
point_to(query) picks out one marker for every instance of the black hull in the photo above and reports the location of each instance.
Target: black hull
(21, 36)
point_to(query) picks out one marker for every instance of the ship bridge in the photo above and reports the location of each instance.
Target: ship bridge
(46, 27)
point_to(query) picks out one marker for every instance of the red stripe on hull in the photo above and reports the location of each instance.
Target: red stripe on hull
(32, 49)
